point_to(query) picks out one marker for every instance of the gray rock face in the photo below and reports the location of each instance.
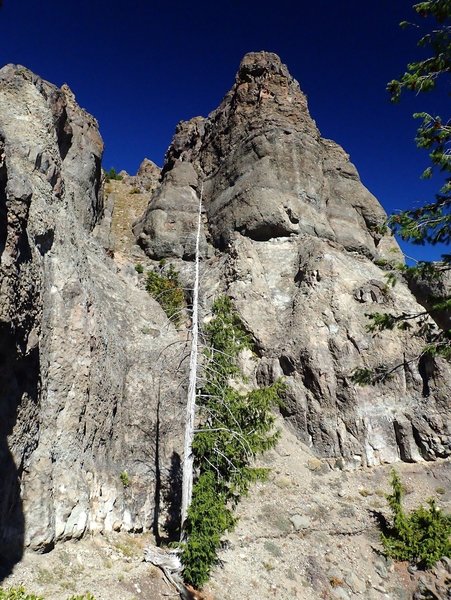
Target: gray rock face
(435, 583)
(91, 375)
(297, 248)
(172, 220)
(146, 179)
(266, 170)
(82, 347)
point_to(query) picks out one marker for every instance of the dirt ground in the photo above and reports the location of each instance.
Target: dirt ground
(308, 533)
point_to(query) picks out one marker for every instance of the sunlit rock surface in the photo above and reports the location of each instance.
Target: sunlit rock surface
(295, 232)
(82, 347)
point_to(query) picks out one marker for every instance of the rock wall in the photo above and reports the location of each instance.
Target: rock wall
(87, 361)
(92, 372)
(293, 233)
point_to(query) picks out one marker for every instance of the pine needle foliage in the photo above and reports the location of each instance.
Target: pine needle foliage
(422, 537)
(429, 223)
(112, 175)
(164, 286)
(236, 427)
(209, 517)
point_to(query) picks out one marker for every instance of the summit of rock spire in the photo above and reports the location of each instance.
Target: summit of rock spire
(266, 170)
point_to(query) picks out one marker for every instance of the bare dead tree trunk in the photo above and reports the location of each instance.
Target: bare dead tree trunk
(188, 459)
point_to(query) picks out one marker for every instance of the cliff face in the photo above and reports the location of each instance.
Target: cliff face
(92, 377)
(267, 172)
(78, 339)
(294, 234)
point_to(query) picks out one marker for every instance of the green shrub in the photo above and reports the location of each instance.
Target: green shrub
(112, 175)
(165, 287)
(139, 268)
(18, 594)
(209, 518)
(235, 427)
(125, 479)
(423, 536)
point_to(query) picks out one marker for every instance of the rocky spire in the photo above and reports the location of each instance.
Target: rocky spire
(264, 96)
(267, 172)
(294, 235)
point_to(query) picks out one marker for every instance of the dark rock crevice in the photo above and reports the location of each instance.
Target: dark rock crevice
(402, 440)
(64, 132)
(287, 364)
(19, 385)
(264, 232)
(426, 369)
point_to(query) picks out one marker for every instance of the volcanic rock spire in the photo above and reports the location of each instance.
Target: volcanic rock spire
(267, 173)
(294, 236)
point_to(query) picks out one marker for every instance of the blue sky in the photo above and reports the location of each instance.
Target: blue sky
(141, 66)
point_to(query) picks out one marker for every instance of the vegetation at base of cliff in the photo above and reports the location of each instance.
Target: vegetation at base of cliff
(236, 427)
(112, 175)
(125, 479)
(20, 594)
(422, 536)
(429, 223)
(165, 287)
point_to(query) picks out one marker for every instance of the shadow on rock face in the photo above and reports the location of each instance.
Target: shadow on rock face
(173, 499)
(19, 382)
(12, 522)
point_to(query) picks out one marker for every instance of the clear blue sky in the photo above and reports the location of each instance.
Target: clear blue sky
(141, 66)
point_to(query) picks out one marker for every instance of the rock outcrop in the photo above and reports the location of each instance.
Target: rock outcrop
(146, 178)
(436, 583)
(91, 375)
(296, 244)
(82, 347)
(431, 289)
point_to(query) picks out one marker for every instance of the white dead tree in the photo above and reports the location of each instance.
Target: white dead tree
(188, 458)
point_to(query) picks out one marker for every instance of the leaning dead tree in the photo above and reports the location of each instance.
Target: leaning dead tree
(188, 458)
(236, 427)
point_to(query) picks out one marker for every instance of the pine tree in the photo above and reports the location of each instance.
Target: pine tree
(234, 427)
(431, 222)
(422, 537)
